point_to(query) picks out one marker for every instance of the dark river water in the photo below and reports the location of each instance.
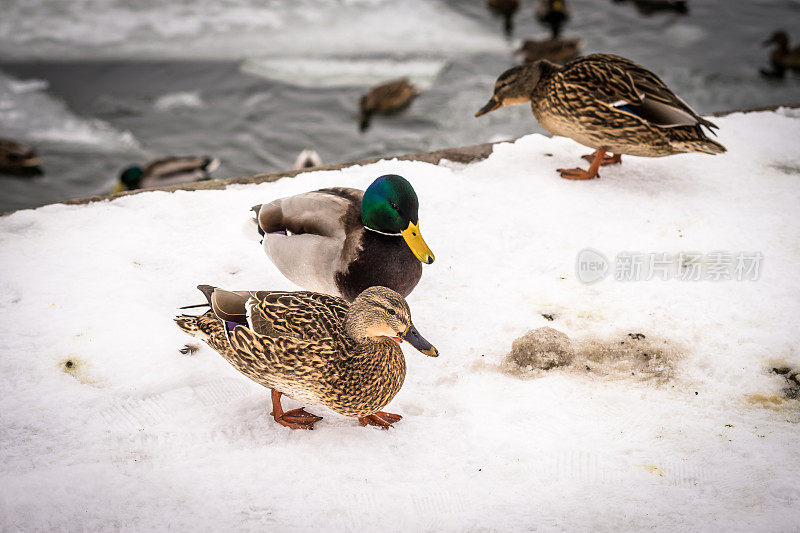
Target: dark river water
(101, 84)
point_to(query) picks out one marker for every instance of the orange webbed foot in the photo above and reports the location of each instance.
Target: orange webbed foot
(605, 160)
(381, 419)
(297, 419)
(580, 174)
(577, 174)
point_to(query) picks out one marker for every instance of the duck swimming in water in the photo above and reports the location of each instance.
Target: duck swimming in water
(553, 14)
(386, 99)
(308, 158)
(781, 57)
(18, 160)
(166, 171)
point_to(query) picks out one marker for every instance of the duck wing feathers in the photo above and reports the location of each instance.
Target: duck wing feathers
(625, 87)
(295, 341)
(303, 315)
(304, 235)
(176, 170)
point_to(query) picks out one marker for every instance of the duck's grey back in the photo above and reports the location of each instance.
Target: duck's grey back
(304, 235)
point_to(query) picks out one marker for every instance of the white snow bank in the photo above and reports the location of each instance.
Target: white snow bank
(134, 435)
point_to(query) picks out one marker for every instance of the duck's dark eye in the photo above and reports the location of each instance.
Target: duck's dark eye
(394, 206)
(390, 311)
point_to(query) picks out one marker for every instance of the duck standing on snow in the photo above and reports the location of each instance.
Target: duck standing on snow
(342, 241)
(314, 348)
(555, 50)
(308, 158)
(18, 159)
(782, 57)
(553, 14)
(166, 171)
(386, 98)
(608, 103)
(506, 9)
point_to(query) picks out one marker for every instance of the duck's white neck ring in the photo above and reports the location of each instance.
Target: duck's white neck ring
(382, 233)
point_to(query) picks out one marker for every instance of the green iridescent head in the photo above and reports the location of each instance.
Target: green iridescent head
(390, 206)
(131, 177)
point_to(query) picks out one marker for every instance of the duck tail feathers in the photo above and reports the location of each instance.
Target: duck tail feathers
(210, 164)
(207, 291)
(188, 324)
(257, 209)
(703, 146)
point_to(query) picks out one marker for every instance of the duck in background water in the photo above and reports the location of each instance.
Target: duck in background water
(308, 158)
(608, 103)
(386, 99)
(506, 9)
(18, 160)
(166, 171)
(555, 50)
(553, 14)
(781, 57)
(649, 7)
(341, 241)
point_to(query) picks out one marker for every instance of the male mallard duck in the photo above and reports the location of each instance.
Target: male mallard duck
(18, 159)
(314, 348)
(608, 103)
(386, 98)
(341, 241)
(506, 9)
(166, 171)
(308, 158)
(555, 50)
(552, 13)
(782, 57)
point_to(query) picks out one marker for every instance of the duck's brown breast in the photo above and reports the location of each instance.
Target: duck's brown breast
(367, 380)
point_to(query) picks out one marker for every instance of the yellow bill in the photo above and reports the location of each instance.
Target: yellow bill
(414, 240)
(118, 188)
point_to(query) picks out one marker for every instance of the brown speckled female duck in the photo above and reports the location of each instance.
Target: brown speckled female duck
(387, 98)
(782, 57)
(506, 9)
(555, 50)
(314, 348)
(608, 103)
(18, 159)
(552, 13)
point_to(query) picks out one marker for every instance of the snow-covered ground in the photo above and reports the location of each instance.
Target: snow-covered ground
(106, 425)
